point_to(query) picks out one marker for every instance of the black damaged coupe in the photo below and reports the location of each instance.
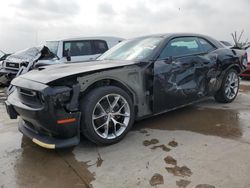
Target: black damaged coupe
(136, 79)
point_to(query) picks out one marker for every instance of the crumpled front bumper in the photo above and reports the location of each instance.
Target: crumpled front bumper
(42, 124)
(47, 141)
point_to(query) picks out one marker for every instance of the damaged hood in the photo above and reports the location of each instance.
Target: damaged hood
(31, 55)
(48, 74)
(27, 55)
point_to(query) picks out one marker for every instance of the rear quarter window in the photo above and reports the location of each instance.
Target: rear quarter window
(206, 45)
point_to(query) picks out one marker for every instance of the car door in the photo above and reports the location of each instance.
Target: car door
(181, 74)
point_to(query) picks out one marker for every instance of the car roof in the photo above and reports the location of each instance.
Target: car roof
(108, 38)
(166, 35)
(173, 35)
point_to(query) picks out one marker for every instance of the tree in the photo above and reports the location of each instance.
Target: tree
(238, 43)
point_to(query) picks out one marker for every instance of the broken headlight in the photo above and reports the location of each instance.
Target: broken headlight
(61, 95)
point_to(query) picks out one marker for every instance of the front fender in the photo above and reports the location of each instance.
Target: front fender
(130, 77)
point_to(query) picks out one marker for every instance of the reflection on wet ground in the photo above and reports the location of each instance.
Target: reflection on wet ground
(182, 183)
(149, 142)
(157, 179)
(218, 122)
(245, 88)
(179, 171)
(34, 166)
(170, 160)
(25, 164)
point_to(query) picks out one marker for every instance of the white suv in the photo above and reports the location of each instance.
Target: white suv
(81, 49)
(63, 51)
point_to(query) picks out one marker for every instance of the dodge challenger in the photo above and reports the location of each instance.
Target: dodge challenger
(138, 78)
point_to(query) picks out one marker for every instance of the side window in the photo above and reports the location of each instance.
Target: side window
(181, 46)
(100, 46)
(78, 48)
(206, 46)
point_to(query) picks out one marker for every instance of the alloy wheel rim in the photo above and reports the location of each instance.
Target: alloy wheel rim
(232, 85)
(111, 116)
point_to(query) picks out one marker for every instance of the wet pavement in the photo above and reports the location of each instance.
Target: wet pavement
(201, 146)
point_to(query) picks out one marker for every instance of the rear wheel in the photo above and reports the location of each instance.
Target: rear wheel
(229, 87)
(107, 115)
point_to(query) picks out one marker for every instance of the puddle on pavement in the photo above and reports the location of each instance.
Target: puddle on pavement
(170, 160)
(162, 146)
(143, 131)
(157, 179)
(173, 144)
(245, 88)
(204, 186)
(182, 183)
(218, 122)
(183, 171)
(150, 142)
(99, 160)
(34, 166)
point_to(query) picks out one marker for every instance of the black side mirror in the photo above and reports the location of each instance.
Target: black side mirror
(67, 55)
(168, 60)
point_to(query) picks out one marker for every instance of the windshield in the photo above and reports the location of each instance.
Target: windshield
(53, 46)
(136, 49)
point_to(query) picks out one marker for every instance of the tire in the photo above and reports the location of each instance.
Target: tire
(228, 86)
(101, 113)
(3, 81)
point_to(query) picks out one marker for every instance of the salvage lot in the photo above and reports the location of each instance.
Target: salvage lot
(204, 145)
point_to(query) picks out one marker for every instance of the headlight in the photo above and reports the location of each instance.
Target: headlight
(61, 95)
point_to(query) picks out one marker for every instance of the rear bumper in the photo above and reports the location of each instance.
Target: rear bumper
(42, 124)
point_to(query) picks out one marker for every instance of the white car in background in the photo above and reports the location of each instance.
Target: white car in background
(81, 49)
(72, 50)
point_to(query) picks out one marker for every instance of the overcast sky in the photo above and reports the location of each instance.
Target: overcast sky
(26, 23)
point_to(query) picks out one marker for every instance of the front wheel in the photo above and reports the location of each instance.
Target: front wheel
(107, 115)
(229, 87)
